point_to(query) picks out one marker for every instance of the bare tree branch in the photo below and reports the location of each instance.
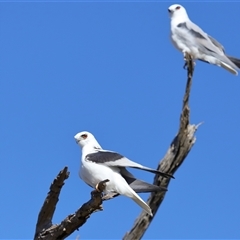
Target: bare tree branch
(179, 148)
(46, 213)
(73, 221)
(177, 152)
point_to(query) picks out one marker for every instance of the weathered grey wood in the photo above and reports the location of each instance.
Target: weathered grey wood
(73, 221)
(46, 213)
(179, 148)
(177, 152)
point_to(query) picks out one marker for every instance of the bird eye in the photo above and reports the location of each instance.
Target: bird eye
(84, 136)
(178, 7)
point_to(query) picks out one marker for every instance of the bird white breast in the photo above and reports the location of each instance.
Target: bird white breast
(93, 173)
(182, 40)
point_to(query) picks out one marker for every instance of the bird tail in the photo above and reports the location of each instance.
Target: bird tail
(140, 186)
(141, 203)
(227, 63)
(123, 188)
(236, 61)
(228, 68)
(231, 66)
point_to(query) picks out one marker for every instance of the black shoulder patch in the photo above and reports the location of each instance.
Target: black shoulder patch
(102, 157)
(182, 25)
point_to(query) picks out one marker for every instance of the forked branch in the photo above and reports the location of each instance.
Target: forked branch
(73, 221)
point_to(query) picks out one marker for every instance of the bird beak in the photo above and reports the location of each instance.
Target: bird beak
(77, 140)
(170, 11)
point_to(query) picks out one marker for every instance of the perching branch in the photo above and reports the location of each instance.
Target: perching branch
(177, 152)
(179, 149)
(46, 213)
(73, 221)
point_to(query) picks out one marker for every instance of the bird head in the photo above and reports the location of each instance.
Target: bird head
(177, 10)
(86, 138)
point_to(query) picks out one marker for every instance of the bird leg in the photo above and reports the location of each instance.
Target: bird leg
(101, 185)
(187, 58)
(185, 65)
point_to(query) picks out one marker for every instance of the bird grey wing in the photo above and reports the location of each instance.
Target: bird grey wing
(236, 61)
(143, 187)
(201, 38)
(139, 186)
(124, 162)
(113, 159)
(208, 46)
(217, 44)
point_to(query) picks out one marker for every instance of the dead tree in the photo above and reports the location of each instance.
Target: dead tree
(177, 152)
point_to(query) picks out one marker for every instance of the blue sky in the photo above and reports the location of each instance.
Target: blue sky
(109, 68)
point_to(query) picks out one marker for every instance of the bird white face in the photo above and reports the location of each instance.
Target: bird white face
(176, 10)
(83, 138)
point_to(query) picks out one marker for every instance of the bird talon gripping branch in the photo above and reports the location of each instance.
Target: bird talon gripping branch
(185, 64)
(101, 185)
(97, 188)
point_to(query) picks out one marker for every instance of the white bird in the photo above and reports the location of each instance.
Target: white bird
(98, 165)
(189, 38)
